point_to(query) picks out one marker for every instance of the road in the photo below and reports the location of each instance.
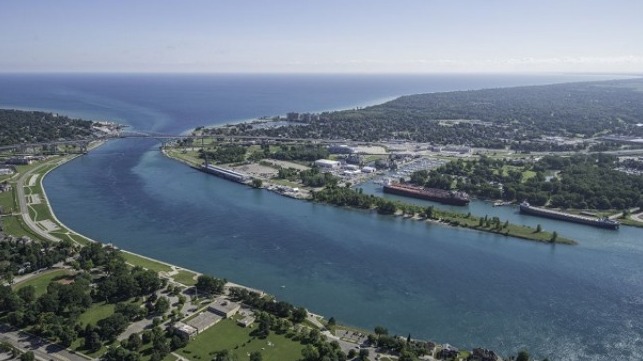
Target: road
(43, 350)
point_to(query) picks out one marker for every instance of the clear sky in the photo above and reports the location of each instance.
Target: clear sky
(335, 36)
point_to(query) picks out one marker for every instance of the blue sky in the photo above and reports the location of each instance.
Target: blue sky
(334, 36)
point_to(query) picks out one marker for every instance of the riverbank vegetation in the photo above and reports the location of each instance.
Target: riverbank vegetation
(342, 196)
(41, 126)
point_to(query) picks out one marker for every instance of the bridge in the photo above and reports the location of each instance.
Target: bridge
(82, 145)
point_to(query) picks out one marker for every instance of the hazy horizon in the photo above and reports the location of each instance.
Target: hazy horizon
(325, 37)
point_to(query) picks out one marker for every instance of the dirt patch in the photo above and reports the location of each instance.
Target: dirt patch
(370, 149)
(48, 225)
(34, 199)
(286, 164)
(257, 171)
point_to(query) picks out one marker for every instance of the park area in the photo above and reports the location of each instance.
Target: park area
(227, 335)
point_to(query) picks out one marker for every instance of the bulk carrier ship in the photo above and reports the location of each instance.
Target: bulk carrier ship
(430, 194)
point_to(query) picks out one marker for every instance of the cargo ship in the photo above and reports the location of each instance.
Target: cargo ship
(430, 194)
(525, 207)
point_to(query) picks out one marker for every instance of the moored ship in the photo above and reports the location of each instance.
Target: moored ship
(525, 207)
(430, 194)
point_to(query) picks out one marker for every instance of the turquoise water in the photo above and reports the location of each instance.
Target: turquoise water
(450, 285)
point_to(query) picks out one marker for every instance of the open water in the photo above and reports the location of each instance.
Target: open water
(450, 285)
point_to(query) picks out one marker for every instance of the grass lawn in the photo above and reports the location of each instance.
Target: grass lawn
(170, 357)
(146, 263)
(190, 157)
(96, 312)
(512, 229)
(528, 174)
(185, 277)
(285, 182)
(79, 239)
(14, 226)
(43, 212)
(228, 335)
(6, 201)
(43, 280)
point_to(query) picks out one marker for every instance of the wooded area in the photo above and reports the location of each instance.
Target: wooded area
(17, 126)
(491, 118)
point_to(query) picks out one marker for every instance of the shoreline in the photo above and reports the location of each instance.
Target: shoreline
(441, 222)
(70, 230)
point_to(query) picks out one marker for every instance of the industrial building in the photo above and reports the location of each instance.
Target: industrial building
(327, 163)
(226, 173)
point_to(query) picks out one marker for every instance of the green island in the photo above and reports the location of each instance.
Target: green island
(66, 297)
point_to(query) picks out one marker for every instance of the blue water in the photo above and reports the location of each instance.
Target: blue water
(450, 285)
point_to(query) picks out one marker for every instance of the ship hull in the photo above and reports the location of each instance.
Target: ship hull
(426, 196)
(568, 217)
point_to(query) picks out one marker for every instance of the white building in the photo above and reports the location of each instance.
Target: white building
(327, 163)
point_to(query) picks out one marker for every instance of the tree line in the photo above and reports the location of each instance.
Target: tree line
(493, 118)
(579, 181)
(17, 126)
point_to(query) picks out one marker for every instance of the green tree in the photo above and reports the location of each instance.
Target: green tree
(161, 305)
(363, 354)
(27, 356)
(92, 341)
(27, 293)
(523, 356)
(379, 331)
(110, 327)
(224, 355)
(331, 322)
(256, 356)
(299, 315)
(209, 285)
(134, 342)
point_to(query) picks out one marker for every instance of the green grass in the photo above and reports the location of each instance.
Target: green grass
(285, 182)
(43, 280)
(189, 157)
(146, 263)
(96, 312)
(6, 201)
(527, 175)
(512, 230)
(631, 222)
(80, 239)
(228, 335)
(185, 277)
(14, 226)
(42, 212)
(170, 357)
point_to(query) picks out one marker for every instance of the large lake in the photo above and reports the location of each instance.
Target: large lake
(449, 285)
